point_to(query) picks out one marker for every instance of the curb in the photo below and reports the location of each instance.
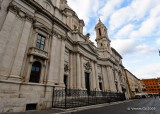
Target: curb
(69, 111)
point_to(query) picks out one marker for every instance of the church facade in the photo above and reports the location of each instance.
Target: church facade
(42, 46)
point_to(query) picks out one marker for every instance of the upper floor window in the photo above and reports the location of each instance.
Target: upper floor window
(40, 42)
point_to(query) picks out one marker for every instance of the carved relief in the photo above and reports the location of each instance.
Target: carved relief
(66, 68)
(100, 78)
(38, 52)
(46, 5)
(87, 65)
(16, 10)
(59, 36)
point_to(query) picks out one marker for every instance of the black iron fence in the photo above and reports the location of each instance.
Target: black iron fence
(69, 98)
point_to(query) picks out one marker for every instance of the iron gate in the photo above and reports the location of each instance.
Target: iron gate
(70, 98)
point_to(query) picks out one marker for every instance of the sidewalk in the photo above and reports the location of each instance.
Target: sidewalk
(67, 111)
(49, 111)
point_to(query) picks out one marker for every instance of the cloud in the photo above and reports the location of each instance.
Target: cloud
(125, 31)
(158, 41)
(148, 26)
(123, 46)
(149, 71)
(136, 11)
(144, 49)
(85, 9)
(132, 26)
(109, 7)
(131, 47)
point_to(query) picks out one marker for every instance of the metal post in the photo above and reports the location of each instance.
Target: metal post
(65, 97)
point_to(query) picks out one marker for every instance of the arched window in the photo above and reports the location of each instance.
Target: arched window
(99, 32)
(35, 72)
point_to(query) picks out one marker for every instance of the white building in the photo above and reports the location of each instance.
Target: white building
(42, 46)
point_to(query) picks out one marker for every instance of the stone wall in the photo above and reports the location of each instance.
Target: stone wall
(15, 96)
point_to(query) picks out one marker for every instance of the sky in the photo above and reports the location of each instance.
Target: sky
(133, 28)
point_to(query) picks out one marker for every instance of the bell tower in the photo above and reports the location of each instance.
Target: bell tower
(102, 39)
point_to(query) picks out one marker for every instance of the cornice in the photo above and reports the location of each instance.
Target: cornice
(59, 36)
(20, 13)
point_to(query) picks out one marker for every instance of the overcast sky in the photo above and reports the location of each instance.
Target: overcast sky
(133, 28)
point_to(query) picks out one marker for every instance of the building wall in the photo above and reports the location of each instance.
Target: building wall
(151, 85)
(67, 52)
(134, 84)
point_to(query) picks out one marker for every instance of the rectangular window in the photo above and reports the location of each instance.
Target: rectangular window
(31, 106)
(40, 42)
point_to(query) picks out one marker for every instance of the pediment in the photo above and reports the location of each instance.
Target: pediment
(42, 27)
(87, 46)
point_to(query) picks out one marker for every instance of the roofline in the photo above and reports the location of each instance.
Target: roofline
(116, 53)
(151, 78)
(132, 74)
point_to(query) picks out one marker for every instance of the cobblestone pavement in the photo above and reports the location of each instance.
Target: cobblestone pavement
(138, 106)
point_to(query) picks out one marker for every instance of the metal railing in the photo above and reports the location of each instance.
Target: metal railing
(70, 98)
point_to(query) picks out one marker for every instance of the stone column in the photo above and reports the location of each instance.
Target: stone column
(71, 70)
(74, 70)
(42, 73)
(96, 77)
(78, 74)
(28, 72)
(61, 72)
(107, 80)
(52, 75)
(93, 77)
(118, 82)
(111, 80)
(104, 79)
(82, 74)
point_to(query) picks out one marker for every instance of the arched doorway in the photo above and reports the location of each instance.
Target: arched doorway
(35, 72)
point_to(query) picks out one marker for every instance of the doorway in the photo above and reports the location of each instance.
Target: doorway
(87, 82)
(65, 80)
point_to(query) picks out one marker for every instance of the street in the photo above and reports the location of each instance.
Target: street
(138, 106)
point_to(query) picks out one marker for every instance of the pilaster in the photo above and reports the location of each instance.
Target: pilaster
(17, 65)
